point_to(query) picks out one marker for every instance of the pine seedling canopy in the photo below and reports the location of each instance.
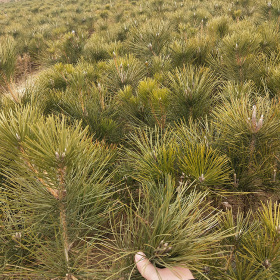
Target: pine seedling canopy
(55, 196)
(188, 92)
(171, 224)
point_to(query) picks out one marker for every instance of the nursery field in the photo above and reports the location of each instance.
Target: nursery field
(130, 126)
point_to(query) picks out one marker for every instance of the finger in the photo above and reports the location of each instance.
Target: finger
(184, 271)
(145, 267)
(176, 273)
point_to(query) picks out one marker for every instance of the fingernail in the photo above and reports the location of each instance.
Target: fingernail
(139, 256)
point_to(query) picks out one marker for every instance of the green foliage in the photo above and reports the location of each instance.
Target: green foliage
(238, 58)
(192, 50)
(182, 52)
(269, 42)
(198, 160)
(95, 110)
(254, 246)
(51, 83)
(192, 92)
(158, 66)
(235, 90)
(272, 81)
(55, 77)
(219, 26)
(68, 90)
(205, 165)
(148, 106)
(248, 133)
(270, 10)
(152, 154)
(121, 72)
(97, 49)
(16, 125)
(149, 39)
(55, 198)
(67, 49)
(186, 94)
(7, 60)
(171, 228)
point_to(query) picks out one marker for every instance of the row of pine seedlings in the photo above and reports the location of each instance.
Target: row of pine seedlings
(130, 126)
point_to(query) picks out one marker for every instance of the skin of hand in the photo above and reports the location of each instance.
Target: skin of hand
(149, 272)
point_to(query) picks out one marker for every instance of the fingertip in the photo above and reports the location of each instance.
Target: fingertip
(139, 256)
(144, 266)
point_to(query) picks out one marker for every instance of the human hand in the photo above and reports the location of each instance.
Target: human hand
(149, 272)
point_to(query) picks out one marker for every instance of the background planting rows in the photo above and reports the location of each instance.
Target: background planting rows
(139, 125)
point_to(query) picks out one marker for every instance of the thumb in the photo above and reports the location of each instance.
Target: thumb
(147, 270)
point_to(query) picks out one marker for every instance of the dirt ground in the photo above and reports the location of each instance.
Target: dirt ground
(245, 202)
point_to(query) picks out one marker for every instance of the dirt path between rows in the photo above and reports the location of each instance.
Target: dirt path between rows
(26, 81)
(15, 90)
